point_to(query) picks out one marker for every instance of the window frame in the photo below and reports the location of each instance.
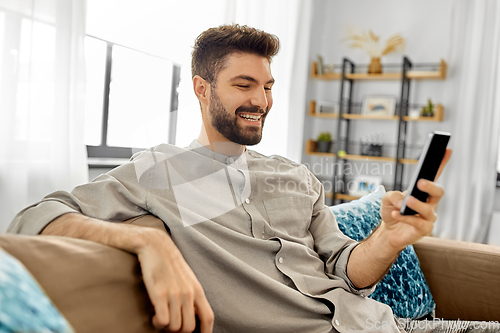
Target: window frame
(104, 156)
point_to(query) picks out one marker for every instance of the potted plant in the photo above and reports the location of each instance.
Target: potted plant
(428, 111)
(324, 142)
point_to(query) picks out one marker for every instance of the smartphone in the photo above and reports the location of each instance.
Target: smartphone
(427, 167)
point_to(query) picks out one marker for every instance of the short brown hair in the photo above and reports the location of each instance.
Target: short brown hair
(212, 47)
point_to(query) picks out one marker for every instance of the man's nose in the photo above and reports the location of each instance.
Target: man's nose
(259, 99)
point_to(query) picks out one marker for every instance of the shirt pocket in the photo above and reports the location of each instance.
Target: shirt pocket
(290, 215)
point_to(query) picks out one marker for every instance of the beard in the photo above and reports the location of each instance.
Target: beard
(227, 124)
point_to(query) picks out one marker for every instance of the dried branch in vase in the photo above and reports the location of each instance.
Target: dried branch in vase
(394, 44)
(370, 43)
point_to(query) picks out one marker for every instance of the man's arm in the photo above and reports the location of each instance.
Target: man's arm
(372, 258)
(174, 290)
(119, 195)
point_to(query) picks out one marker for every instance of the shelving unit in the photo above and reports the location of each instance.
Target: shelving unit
(347, 77)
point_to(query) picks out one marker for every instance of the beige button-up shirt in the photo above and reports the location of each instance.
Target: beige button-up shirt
(254, 229)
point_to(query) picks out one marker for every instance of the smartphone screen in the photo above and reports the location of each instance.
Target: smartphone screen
(427, 167)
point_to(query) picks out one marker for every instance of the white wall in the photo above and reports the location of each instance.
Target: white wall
(425, 25)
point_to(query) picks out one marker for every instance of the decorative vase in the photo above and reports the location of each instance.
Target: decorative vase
(375, 66)
(324, 146)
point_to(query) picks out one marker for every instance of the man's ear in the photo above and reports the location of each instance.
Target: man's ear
(202, 89)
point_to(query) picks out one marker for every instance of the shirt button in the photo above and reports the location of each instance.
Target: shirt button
(247, 201)
(231, 160)
(280, 260)
(337, 322)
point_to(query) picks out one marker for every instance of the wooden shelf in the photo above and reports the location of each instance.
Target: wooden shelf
(432, 75)
(383, 76)
(438, 115)
(311, 147)
(327, 76)
(365, 116)
(312, 112)
(440, 74)
(408, 161)
(378, 159)
(369, 158)
(340, 196)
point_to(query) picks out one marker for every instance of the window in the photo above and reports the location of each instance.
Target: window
(130, 102)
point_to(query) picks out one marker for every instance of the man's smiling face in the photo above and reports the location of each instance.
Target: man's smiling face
(241, 98)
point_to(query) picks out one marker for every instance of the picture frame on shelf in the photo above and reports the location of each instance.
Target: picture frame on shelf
(379, 105)
(323, 107)
(363, 184)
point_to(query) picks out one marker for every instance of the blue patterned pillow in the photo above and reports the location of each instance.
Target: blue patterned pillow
(23, 305)
(404, 288)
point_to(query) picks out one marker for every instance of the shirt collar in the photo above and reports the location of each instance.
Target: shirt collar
(197, 147)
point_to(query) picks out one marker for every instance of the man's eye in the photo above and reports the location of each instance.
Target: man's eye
(268, 88)
(242, 86)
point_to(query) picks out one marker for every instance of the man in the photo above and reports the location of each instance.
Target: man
(264, 257)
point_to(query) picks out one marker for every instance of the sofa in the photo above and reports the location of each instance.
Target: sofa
(99, 288)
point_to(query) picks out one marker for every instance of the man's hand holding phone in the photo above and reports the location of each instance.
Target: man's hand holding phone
(402, 230)
(372, 258)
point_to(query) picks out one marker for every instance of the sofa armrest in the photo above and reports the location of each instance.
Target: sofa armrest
(96, 287)
(464, 278)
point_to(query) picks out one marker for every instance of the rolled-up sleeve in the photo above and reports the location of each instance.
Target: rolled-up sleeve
(340, 270)
(330, 243)
(115, 196)
(33, 219)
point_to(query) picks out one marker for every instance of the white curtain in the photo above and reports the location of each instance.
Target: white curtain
(290, 20)
(474, 93)
(41, 101)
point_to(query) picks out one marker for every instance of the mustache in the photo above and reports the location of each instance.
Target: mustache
(251, 109)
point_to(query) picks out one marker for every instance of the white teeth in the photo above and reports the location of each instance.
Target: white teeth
(250, 117)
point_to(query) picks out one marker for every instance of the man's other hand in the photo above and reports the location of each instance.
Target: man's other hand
(173, 288)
